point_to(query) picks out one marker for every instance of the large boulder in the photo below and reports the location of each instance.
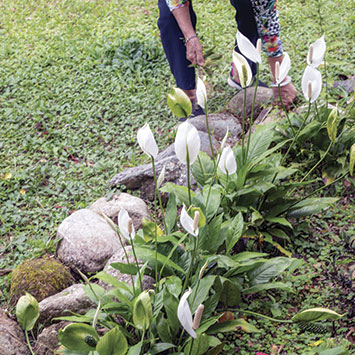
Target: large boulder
(87, 241)
(141, 177)
(12, 339)
(136, 208)
(40, 277)
(263, 97)
(71, 300)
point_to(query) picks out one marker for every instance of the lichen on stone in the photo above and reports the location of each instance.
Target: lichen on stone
(41, 278)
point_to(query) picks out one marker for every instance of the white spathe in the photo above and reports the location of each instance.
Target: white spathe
(243, 69)
(316, 54)
(247, 48)
(312, 78)
(147, 142)
(187, 222)
(201, 93)
(227, 162)
(187, 141)
(184, 314)
(123, 225)
(284, 68)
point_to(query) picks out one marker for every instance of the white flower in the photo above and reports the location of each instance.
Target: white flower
(146, 141)
(227, 162)
(125, 225)
(201, 93)
(316, 52)
(311, 83)
(184, 314)
(187, 141)
(243, 69)
(188, 223)
(248, 49)
(283, 69)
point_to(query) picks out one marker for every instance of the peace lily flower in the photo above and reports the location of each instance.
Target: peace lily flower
(187, 141)
(248, 49)
(189, 224)
(316, 53)
(125, 225)
(201, 93)
(227, 162)
(282, 70)
(146, 141)
(243, 69)
(311, 84)
(184, 314)
(179, 103)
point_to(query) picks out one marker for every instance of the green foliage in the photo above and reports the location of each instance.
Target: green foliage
(27, 311)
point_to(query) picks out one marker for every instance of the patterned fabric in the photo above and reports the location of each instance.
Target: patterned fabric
(267, 21)
(268, 24)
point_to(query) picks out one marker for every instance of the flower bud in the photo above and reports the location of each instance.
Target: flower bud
(161, 176)
(258, 45)
(311, 50)
(203, 269)
(309, 93)
(277, 71)
(130, 227)
(198, 316)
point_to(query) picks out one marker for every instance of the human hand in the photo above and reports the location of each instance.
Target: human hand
(194, 51)
(288, 94)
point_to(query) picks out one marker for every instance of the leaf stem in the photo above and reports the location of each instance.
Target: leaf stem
(28, 343)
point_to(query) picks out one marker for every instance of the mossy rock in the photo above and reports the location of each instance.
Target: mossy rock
(41, 278)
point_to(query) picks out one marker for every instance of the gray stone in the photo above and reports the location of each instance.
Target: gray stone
(88, 241)
(218, 125)
(120, 257)
(47, 341)
(141, 177)
(348, 85)
(12, 339)
(72, 299)
(136, 208)
(263, 97)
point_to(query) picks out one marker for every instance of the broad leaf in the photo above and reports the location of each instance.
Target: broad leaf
(310, 206)
(200, 291)
(130, 269)
(235, 231)
(181, 192)
(171, 213)
(151, 230)
(203, 168)
(316, 314)
(232, 326)
(112, 343)
(268, 286)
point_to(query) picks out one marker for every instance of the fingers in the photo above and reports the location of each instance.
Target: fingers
(194, 52)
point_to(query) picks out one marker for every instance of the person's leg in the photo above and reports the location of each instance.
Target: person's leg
(246, 25)
(174, 47)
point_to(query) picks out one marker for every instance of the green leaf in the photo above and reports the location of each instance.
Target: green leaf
(163, 329)
(181, 192)
(200, 291)
(78, 337)
(216, 350)
(268, 270)
(112, 343)
(232, 326)
(279, 220)
(171, 304)
(235, 231)
(27, 311)
(316, 314)
(203, 168)
(197, 346)
(161, 347)
(247, 255)
(150, 230)
(230, 295)
(260, 141)
(310, 206)
(149, 254)
(268, 286)
(95, 292)
(171, 213)
(209, 200)
(125, 268)
(142, 311)
(179, 103)
(174, 285)
(136, 349)
(103, 276)
(352, 159)
(210, 236)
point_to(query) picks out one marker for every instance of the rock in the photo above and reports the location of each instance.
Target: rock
(72, 299)
(141, 177)
(40, 277)
(119, 257)
(348, 85)
(12, 338)
(219, 124)
(263, 97)
(88, 241)
(136, 208)
(47, 341)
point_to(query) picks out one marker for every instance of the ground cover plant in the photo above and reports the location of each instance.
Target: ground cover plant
(74, 81)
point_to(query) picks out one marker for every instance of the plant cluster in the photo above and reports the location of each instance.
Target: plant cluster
(209, 261)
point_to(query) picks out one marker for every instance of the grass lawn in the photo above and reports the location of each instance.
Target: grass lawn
(78, 77)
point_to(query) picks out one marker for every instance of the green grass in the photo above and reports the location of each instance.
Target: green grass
(78, 77)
